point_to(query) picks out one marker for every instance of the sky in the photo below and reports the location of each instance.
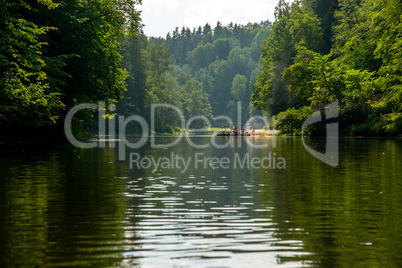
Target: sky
(162, 16)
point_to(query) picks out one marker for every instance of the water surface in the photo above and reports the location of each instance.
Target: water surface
(64, 206)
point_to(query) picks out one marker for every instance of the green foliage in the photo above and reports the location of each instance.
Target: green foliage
(305, 28)
(55, 55)
(25, 95)
(240, 92)
(385, 125)
(292, 120)
(153, 79)
(196, 103)
(362, 71)
(295, 30)
(135, 63)
(389, 51)
(238, 89)
(216, 57)
(202, 56)
(325, 10)
(299, 75)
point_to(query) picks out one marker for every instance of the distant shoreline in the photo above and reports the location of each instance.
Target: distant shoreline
(49, 137)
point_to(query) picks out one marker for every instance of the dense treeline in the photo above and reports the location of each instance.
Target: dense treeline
(222, 61)
(57, 55)
(54, 55)
(151, 81)
(345, 50)
(203, 72)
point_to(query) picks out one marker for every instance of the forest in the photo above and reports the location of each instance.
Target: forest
(204, 72)
(57, 54)
(322, 51)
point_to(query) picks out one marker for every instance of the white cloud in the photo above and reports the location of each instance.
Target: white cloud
(162, 16)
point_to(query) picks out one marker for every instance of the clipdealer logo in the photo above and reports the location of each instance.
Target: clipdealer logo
(122, 143)
(330, 157)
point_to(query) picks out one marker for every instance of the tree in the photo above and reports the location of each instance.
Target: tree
(296, 30)
(134, 61)
(222, 48)
(299, 75)
(325, 10)
(362, 70)
(239, 88)
(216, 57)
(270, 93)
(89, 32)
(389, 51)
(240, 94)
(202, 56)
(54, 56)
(305, 28)
(26, 97)
(196, 103)
(161, 87)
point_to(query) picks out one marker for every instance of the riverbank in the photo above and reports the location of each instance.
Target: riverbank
(56, 135)
(263, 132)
(12, 134)
(27, 135)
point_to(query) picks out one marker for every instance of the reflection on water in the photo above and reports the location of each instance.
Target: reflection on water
(64, 206)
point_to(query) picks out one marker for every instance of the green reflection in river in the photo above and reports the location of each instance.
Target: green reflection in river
(60, 205)
(350, 216)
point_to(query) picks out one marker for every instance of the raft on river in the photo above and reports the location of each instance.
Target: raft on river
(224, 134)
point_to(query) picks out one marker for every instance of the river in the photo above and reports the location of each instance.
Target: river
(236, 206)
